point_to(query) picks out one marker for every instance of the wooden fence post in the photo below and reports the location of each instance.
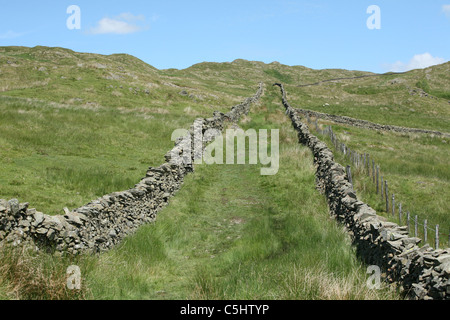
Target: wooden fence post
(393, 205)
(387, 195)
(373, 172)
(368, 165)
(425, 231)
(382, 194)
(400, 214)
(378, 174)
(415, 226)
(364, 161)
(408, 222)
(349, 175)
(437, 237)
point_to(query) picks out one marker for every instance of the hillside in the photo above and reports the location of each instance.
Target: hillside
(76, 126)
(122, 79)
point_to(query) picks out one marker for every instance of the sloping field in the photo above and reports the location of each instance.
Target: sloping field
(74, 127)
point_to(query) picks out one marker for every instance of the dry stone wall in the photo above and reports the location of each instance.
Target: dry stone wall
(104, 222)
(422, 272)
(367, 124)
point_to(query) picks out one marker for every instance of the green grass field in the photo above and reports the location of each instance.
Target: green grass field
(56, 156)
(231, 233)
(415, 167)
(75, 126)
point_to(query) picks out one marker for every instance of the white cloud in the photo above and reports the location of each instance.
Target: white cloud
(446, 10)
(124, 23)
(130, 17)
(10, 35)
(419, 61)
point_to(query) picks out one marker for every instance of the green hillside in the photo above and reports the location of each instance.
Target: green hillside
(75, 126)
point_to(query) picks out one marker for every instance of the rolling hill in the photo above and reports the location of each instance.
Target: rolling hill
(75, 126)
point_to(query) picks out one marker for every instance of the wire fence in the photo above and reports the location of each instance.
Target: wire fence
(396, 209)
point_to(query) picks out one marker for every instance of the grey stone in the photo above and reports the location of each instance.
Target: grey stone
(396, 244)
(41, 231)
(408, 241)
(365, 214)
(112, 233)
(14, 206)
(38, 218)
(50, 234)
(4, 203)
(393, 236)
(24, 223)
(444, 258)
(445, 267)
(75, 218)
(430, 261)
(419, 291)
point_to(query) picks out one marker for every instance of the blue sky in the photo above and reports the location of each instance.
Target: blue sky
(177, 34)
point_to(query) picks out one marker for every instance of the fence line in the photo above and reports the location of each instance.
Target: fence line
(361, 161)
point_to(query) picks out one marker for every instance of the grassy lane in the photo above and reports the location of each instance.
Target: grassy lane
(231, 233)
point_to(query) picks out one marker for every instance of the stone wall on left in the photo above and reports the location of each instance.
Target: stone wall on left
(101, 224)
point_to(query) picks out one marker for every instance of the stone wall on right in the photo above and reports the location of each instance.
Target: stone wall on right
(421, 272)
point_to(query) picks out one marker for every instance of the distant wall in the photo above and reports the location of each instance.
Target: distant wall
(421, 271)
(104, 222)
(367, 124)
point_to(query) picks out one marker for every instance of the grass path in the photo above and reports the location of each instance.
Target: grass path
(231, 233)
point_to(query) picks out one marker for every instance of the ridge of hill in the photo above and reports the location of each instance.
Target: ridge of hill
(76, 126)
(420, 98)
